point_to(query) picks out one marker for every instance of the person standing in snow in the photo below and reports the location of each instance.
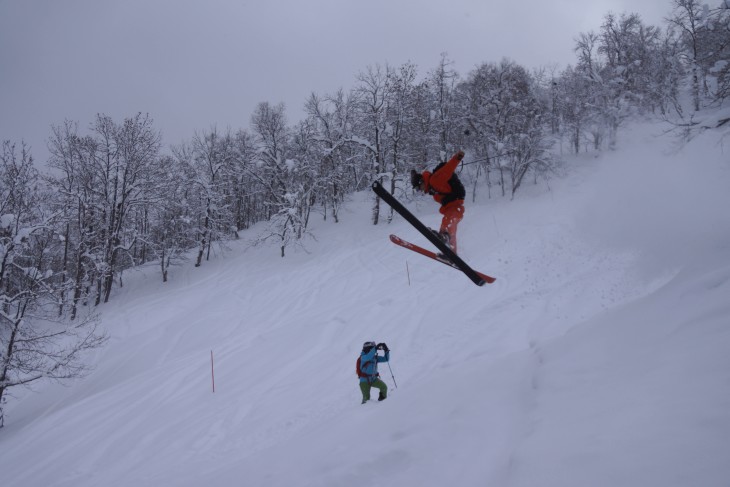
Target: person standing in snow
(368, 370)
(446, 188)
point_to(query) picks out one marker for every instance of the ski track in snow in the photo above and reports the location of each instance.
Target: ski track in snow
(558, 374)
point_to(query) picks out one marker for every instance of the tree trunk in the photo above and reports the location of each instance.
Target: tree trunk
(64, 270)
(203, 241)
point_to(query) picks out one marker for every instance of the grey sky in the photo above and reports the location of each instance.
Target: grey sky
(193, 64)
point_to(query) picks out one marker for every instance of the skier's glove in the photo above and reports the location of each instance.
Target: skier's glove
(383, 346)
(460, 155)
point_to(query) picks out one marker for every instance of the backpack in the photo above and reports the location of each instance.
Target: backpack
(360, 373)
(458, 192)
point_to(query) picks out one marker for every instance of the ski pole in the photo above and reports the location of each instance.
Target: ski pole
(212, 370)
(391, 374)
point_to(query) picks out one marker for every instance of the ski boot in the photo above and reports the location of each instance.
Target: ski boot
(445, 238)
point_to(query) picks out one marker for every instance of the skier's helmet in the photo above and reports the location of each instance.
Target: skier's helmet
(367, 346)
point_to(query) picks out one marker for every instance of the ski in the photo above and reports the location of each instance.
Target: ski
(426, 232)
(433, 255)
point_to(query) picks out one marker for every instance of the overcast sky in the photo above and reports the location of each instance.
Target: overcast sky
(194, 64)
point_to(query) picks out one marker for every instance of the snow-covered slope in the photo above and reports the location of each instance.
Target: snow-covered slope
(599, 357)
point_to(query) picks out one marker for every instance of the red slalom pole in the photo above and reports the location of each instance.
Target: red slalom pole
(212, 370)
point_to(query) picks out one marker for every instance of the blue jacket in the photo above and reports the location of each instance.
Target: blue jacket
(369, 364)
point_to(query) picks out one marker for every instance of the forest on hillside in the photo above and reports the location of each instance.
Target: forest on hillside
(112, 196)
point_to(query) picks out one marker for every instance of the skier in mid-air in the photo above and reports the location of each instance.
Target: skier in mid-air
(447, 190)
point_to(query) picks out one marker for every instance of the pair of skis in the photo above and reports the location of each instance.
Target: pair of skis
(449, 258)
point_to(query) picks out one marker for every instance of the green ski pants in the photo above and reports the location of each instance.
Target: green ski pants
(365, 388)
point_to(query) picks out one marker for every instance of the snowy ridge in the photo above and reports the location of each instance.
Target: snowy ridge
(598, 358)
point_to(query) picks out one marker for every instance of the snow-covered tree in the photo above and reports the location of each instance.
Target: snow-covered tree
(401, 124)
(686, 18)
(503, 111)
(281, 174)
(73, 180)
(128, 161)
(332, 118)
(36, 342)
(242, 191)
(371, 101)
(165, 225)
(207, 161)
(704, 32)
(445, 113)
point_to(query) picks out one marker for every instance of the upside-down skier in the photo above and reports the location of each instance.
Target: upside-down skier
(446, 188)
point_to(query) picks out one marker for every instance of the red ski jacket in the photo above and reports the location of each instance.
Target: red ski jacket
(440, 183)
